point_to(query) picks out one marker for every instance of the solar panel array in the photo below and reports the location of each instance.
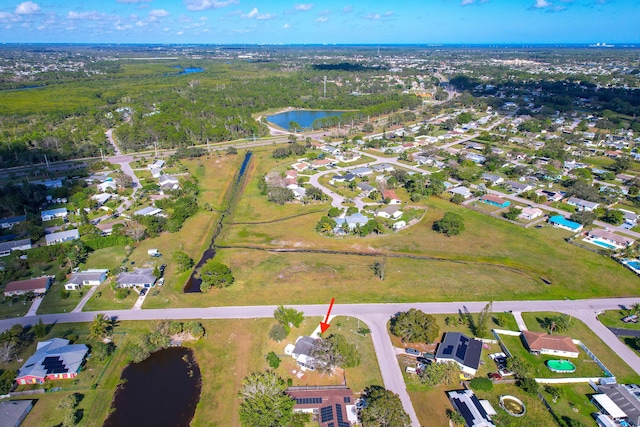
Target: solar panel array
(341, 422)
(308, 400)
(54, 365)
(461, 351)
(326, 414)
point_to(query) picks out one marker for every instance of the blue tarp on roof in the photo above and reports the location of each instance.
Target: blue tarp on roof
(560, 220)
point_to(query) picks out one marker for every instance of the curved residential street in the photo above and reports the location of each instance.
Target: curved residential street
(376, 317)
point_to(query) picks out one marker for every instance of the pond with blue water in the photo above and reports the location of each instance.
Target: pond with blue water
(304, 118)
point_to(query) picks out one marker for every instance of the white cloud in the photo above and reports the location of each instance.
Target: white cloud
(286, 26)
(158, 13)
(347, 9)
(89, 16)
(468, 2)
(198, 5)
(27, 8)
(300, 7)
(179, 33)
(252, 14)
(373, 16)
(265, 16)
(133, 1)
(389, 13)
(541, 4)
(5, 16)
(321, 19)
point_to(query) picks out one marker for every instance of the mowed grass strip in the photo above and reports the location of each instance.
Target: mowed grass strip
(578, 330)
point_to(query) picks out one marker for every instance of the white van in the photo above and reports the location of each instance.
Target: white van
(410, 370)
(152, 252)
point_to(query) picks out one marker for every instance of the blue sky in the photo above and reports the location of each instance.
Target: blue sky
(327, 21)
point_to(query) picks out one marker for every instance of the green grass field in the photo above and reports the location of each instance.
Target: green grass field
(54, 303)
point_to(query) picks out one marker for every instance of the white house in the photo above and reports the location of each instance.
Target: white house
(109, 184)
(582, 205)
(92, 277)
(302, 352)
(138, 278)
(14, 245)
(101, 198)
(61, 236)
(149, 210)
(529, 213)
(555, 345)
(391, 211)
(463, 191)
(50, 214)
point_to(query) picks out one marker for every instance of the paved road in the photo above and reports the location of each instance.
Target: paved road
(376, 317)
(619, 332)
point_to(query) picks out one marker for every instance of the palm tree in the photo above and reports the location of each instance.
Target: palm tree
(635, 308)
(101, 327)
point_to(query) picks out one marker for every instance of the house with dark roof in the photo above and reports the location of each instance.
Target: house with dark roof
(626, 397)
(476, 413)
(38, 286)
(555, 345)
(10, 222)
(333, 406)
(13, 412)
(458, 348)
(302, 352)
(138, 278)
(54, 359)
(14, 245)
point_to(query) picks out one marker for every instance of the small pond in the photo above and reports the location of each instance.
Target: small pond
(162, 390)
(188, 70)
(304, 118)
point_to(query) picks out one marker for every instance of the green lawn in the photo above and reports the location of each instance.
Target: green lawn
(53, 301)
(13, 307)
(574, 403)
(104, 298)
(109, 258)
(578, 330)
(613, 319)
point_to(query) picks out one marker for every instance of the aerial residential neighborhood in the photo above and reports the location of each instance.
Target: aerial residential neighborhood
(334, 215)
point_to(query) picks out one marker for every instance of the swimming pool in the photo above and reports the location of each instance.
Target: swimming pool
(603, 244)
(561, 366)
(634, 264)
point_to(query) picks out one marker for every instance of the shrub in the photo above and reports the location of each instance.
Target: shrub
(273, 360)
(529, 385)
(122, 293)
(278, 333)
(484, 384)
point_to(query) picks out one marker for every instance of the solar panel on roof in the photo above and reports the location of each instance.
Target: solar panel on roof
(54, 365)
(464, 411)
(308, 400)
(326, 413)
(448, 350)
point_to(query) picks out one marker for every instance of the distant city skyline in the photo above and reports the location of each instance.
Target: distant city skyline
(326, 22)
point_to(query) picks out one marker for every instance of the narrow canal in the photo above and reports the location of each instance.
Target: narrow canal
(193, 284)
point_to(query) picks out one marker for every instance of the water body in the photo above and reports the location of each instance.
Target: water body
(304, 118)
(162, 390)
(193, 284)
(184, 71)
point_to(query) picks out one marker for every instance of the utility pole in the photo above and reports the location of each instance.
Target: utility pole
(325, 86)
(46, 161)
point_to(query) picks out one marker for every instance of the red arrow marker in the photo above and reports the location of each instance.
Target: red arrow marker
(325, 325)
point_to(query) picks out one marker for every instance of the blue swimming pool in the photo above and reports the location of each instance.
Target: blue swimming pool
(603, 244)
(634, 264)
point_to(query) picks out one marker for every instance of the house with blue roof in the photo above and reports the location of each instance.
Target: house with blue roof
(50, 214)
(561, 222)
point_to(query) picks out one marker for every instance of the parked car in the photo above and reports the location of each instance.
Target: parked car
(143, 291)
(411, 370)
(424, 360)
(412, 351)
(162, 267)
(495, 376)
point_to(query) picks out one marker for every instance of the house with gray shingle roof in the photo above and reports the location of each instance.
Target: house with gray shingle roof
(140, 277)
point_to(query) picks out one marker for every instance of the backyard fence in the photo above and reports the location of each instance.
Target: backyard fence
(593, 357)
